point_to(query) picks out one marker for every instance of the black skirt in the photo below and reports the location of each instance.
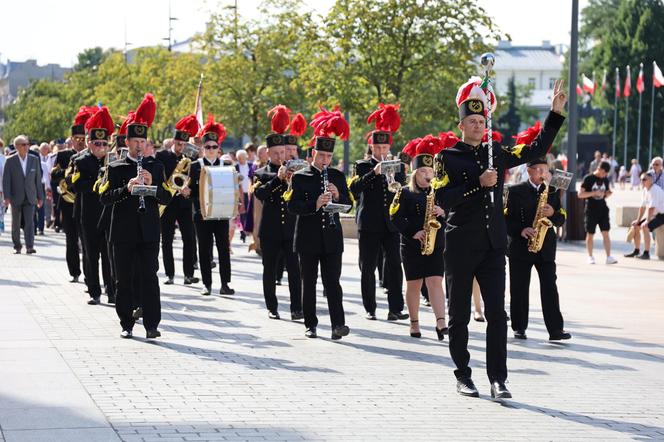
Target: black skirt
(417, 266)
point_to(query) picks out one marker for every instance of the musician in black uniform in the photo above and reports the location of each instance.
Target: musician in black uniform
(180, 208)
(277, 227)
(318, 234)
(86, 167)
(522, 207)
(376, 233)
(212, 135)
(475, 236)
(415, 213)
(66, 209)
(135, 224)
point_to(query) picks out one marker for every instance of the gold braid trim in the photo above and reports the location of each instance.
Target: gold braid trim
(394, 207)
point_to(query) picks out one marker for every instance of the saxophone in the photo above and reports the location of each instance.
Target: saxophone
(431, 225)
(541, 224)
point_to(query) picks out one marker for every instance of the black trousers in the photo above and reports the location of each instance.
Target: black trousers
(95, 245)
(141, 261)
(371, 244)
(519, 293)
(70, 227)
(275, 253)
(488, 266)
(57, 212)
(206, 232)
(183, 216)
(84, 253)
(330, 267)
(111, 282)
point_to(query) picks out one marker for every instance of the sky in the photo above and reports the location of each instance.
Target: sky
(56, 31)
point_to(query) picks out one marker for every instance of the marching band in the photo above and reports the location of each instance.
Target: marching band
(440, 227)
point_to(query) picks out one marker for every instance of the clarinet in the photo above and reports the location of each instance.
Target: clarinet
(139, 170)
(326, 183)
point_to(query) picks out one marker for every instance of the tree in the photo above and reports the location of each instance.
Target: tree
(91, 58)
(518, 111)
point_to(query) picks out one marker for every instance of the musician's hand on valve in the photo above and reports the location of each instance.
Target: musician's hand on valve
(438, 211)
(489, 178)
(547, 210)
(420, 236)
(528, 232)
(323, 199)
(132, 182)
(282, 173)
(334, 191)
(377, 169)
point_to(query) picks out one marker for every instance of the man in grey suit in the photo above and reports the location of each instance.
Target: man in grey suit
(21, 183)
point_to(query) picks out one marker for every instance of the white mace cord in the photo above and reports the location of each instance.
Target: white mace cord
(488, 88)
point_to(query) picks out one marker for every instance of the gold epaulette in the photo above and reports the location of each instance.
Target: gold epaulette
(75, 176)
(516, 150)
(287, 195)
(438, 183)
(394, 207)
(104, 187)
(563, 212)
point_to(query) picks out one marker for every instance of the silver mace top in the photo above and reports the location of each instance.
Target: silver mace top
(487, 60)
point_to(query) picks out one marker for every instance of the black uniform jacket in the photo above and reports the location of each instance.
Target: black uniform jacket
(86, 172)
(520, 213)
(472, 222)
(372, 197)
(314, 233)
(408, 217)
(170, 160)
(127, 224)
(277, 223)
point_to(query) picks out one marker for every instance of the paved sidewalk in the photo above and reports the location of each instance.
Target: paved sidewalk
(224, 371)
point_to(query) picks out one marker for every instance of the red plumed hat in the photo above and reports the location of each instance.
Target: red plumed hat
(187, 127)
(472, 89)
(328, 124)
(386, 117)
(84, 112)
(212, 131)
(298, 125)
(123, 128)
(528, 136)
(100, 125)
(410, 148)
(448, 139)
(429, 145)
(145, 111)
(280, 118)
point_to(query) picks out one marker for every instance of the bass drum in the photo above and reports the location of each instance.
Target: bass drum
(218, 192)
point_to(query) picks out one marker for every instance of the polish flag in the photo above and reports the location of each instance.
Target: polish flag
(617, 83)
(657, 77)
(588, 84)
(640, 87)
(579, 91)
(627, 90)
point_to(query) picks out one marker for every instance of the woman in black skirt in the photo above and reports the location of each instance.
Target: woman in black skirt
(408, 216)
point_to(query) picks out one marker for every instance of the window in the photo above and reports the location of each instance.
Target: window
(531, 82)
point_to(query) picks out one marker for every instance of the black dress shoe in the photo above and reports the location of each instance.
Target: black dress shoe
(206, 291)
(188, 280)
(31, 251)
(126, 334)
(395, 316)
(371, 316)
(152, 334)
(93, 301)
(17, 251)
(74, 279)
(645, 255)
(311, 333)
(340, 331)
(560, 336)
(213, 265)
(634, 253)
(226, 290)
(500, 391)
(466, 387)
(169, 281)
(111, 299)
(273, 314)
(295, 316)
(137, 313)
(520, 334)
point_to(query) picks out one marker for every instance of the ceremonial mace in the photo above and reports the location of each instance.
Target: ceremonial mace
(487, 61)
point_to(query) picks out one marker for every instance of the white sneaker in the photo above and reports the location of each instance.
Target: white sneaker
(611, 260)
(591, 260)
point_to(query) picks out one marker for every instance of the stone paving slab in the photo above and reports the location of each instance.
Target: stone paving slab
(224, 371)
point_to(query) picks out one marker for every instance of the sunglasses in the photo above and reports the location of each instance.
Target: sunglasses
(211, 146)
(100, 143)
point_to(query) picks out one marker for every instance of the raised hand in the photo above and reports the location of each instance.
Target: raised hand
(559, 98)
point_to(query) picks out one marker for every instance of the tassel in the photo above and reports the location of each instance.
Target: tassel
(287, 195)
(394, 207)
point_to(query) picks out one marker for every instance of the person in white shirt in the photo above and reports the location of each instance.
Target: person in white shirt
(656, 171)
(651, 216)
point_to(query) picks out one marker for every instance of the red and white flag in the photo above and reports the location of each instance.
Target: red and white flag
(657, 77)
(640, 86)
(588, 84)
(579, 91)
(627, 90)
(617, 83)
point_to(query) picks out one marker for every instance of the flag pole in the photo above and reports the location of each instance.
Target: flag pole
(638, 127)
(626, 121)
(652, 111)
(615, 115)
